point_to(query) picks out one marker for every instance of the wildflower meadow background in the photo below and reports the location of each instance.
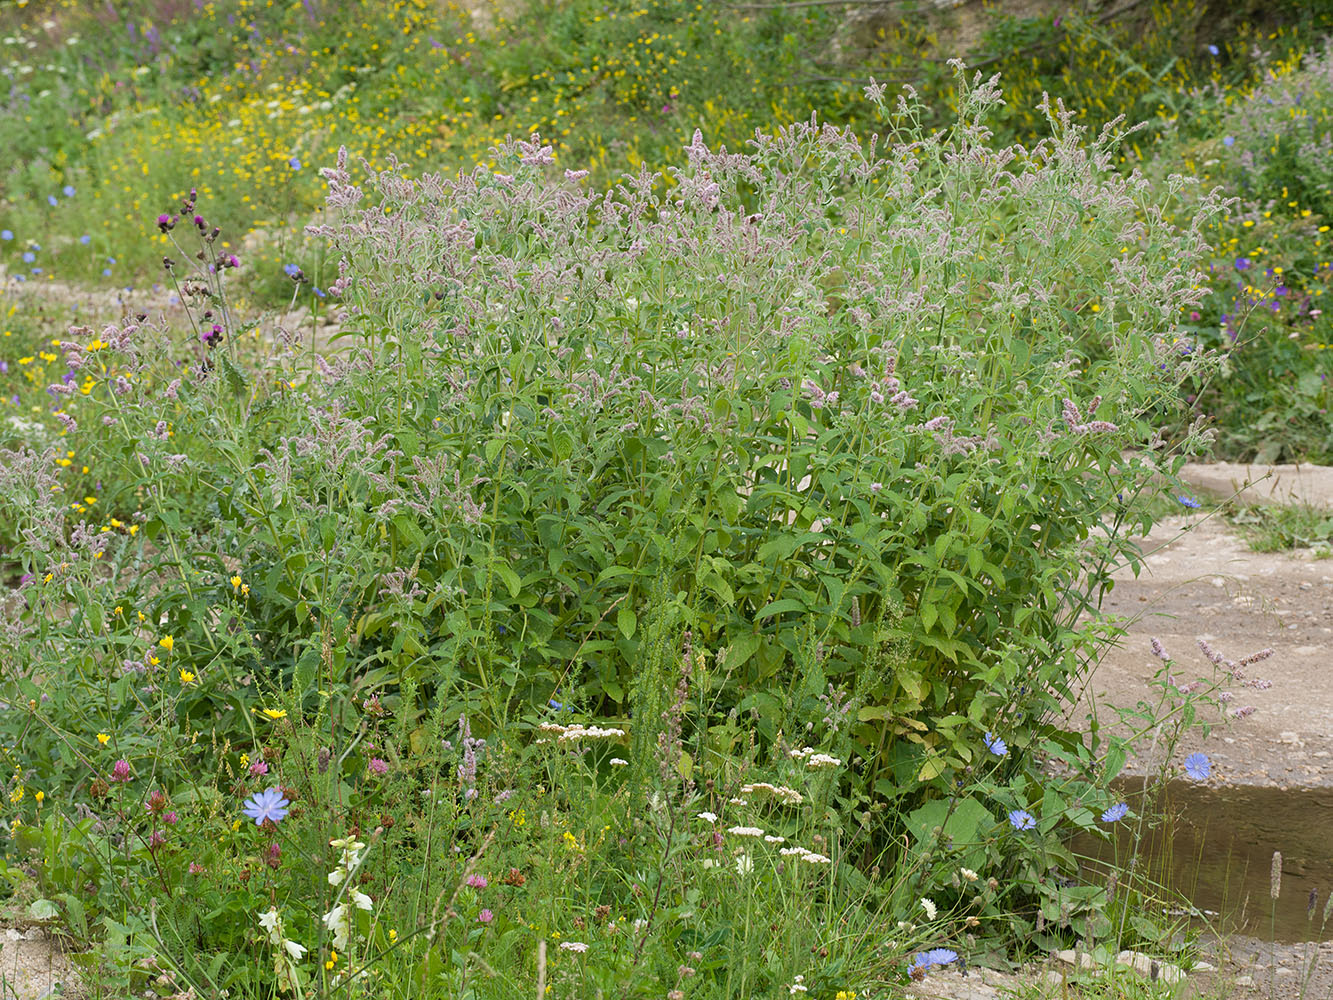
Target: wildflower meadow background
(671, 572)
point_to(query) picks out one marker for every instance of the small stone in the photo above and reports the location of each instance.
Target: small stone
(1144, 965)
(1070, 957)
(1244, 980)
(1284, 973)
(1204, 967)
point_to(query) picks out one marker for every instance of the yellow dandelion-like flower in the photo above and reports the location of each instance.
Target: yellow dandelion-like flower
(235, 583)
(103, 739)
(187, 677)
(39, 796)
(166, 642)
(276, 713)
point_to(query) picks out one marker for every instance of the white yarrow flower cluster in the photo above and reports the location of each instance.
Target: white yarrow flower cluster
(814, 759)
(745, 831)
(577, 731)
(929, 906)
(804, 855)
(788, 796)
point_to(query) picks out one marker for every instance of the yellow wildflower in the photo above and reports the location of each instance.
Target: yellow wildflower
(103, 739)
(187, 677)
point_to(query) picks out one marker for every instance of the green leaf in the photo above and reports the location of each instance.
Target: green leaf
(627, 622)
(779, 607)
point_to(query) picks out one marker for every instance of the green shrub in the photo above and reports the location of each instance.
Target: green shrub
(861, 424)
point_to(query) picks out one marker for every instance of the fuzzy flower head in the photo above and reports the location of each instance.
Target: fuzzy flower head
(269, 804)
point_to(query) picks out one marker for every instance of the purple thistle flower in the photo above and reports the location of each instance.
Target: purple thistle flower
(269, 804)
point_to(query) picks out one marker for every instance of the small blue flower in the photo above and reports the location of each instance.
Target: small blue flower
(1242, 263)
(319, 292)
(1189, 502)
(294, 163)
(269, 804)
(52, 200)
(1213, 50)
(1115, 813)
(995, 745)
(1229, 141)
(6, 234)
(1021, 819)
(552, 703)
(291, 270)
(936, 956)
(68, 190)
(29, 256)
(1198, 766)
(106, 272)
(85, 239)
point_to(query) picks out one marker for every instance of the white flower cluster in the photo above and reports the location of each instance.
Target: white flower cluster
(288, 952)
(814, 759)
(577, 731)
(785, 795)
(338, 920)
(804, 855)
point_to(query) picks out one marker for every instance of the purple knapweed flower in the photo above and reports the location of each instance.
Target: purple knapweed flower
(269, 804)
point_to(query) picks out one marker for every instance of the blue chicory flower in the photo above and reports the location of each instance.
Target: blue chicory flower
(68, 190)
(1021, 819)
(1189, 502)
(1115, 813)
(936, 956)
(6, 234)
(1229, 141)
(1198, 766)
(52, 200)
(995, 745)
(1213, 50)
(269, 804)
(29, 256)
(291, 270)
(85, 239)
(294, 163)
